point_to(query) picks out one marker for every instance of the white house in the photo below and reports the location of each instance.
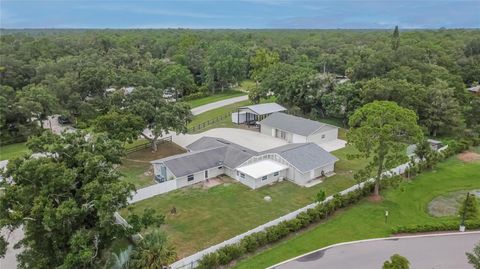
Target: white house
(209, 157)
(295, 129)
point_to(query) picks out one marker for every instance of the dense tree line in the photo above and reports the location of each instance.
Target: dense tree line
(67, 72)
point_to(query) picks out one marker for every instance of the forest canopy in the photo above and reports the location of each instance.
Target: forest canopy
(67, 72)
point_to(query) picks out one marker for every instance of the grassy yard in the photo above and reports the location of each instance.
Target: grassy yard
(214, 98)
(136, 167)
(225, 110)
(209, 216)
(11, 151)
(406, 205)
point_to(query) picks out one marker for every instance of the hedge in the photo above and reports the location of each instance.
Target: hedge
(322, 211)
(434, 227)
(274, 233)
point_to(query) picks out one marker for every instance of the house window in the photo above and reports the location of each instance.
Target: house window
(242, 175)
(323, 136)
(275, 174)
(264, 178)
(190, 177)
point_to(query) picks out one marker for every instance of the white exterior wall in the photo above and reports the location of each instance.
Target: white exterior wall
(298, 138)
(265, 129)
(256, 183)
(199, 176)
(329, 136)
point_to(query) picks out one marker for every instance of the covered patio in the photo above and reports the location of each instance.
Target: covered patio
(253, 113)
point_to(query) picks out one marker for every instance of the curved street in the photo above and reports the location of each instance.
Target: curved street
(426, 251)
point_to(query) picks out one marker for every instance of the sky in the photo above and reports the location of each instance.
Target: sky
(198, 14)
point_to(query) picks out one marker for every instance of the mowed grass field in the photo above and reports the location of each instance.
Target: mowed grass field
(407, 204)
(209, 216)
(12, 151)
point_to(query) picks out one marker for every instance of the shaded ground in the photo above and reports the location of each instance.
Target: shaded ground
(232, 208)
(407, 205)
(449, 204)
(136, 167)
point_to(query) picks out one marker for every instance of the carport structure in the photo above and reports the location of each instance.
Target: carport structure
(247, 114)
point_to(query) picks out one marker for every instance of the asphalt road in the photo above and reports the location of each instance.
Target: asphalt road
(214, 105)
(426, 252)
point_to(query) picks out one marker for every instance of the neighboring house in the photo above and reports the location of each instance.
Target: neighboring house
(475, 90)
(209, 157)
(254, 113)
(295, 129)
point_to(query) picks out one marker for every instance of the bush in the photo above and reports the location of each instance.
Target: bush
(304, 219)
(469, 207)
(229, 253)
(194, 96)
(209, 261)
(434, 227)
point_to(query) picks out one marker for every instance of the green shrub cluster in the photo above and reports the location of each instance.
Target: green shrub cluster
(274, 233)
(460, 145)
(194, 96)
(433, 227)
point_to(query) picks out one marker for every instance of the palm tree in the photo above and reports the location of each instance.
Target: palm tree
(153, 252)
(122, 260)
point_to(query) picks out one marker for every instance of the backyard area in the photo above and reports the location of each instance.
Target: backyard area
(136, 167)
(406, 204)
(233, 208)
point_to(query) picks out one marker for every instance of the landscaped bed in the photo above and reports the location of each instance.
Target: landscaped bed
(232, 208)
(407, 205)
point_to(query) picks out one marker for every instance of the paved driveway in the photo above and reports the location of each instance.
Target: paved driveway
(432, 251)
(249, 139)
(214, 105)
(10, 261)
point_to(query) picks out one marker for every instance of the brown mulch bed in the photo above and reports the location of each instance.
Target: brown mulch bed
(468, 156)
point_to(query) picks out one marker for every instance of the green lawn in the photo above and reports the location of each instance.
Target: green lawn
(207, 216)
(215, 97)
(406, 205)
(11, 151)
(222, 111)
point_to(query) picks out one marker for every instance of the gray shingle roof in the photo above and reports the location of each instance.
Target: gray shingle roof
(304, 156)
(208, 152)
(193, 162)
(294, 124)
(267, 108)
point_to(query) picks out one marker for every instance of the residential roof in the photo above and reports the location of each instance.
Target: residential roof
(208, 152)
(262, 168)
(193, 162)
(234, 153)
(304, 156)
(263, 109)
(294, 124)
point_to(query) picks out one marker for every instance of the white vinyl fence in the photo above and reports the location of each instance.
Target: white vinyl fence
(150, 191)
(192, 261)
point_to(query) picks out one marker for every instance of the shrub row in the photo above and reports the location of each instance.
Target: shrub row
(434, 227)
(460, 145)
(274, 233)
